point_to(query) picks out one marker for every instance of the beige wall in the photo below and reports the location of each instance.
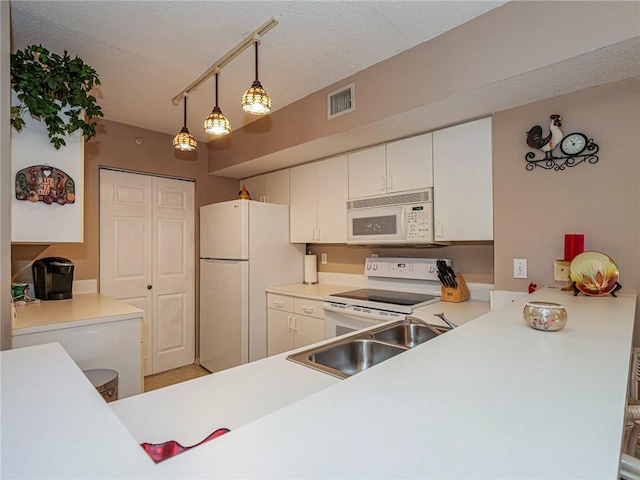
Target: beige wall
(533, 210)
(473, 259)
(115, 146)
(493, 48)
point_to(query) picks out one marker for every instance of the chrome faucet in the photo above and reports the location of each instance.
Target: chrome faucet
(410, 319)
(444, 319)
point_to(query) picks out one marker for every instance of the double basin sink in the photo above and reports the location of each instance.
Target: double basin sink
(353, 354)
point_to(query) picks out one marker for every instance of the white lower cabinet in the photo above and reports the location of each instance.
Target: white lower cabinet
(114, 345)
(292, 322)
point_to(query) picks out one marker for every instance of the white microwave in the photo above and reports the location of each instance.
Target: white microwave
(401, 219)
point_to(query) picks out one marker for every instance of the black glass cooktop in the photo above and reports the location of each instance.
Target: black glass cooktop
(386, 296)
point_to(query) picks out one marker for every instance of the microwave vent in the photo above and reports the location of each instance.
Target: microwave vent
(415, 197)
(341, 101)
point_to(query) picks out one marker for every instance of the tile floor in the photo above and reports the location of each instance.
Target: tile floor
(170, 377)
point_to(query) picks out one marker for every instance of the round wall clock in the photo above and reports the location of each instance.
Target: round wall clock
(573, 144)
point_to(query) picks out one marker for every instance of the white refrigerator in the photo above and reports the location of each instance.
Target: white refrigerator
(244, 248)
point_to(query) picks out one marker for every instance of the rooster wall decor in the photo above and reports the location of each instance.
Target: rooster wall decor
(576, 147)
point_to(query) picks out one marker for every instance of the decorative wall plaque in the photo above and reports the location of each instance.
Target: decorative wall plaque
(42, 183)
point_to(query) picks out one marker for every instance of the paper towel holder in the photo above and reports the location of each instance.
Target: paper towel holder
(310, 269)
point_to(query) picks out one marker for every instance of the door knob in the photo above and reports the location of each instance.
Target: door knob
(149, 287)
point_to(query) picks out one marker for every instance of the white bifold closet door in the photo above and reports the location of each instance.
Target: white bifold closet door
(147, 259)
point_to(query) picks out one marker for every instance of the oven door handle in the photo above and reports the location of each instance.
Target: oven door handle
(363, 315)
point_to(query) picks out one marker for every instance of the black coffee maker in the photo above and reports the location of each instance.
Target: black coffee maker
(52, 278)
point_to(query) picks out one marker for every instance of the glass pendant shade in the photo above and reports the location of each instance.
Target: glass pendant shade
(216, 123)
(256, 101)
(184, 141)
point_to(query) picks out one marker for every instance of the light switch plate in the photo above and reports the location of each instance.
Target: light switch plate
(519, 268)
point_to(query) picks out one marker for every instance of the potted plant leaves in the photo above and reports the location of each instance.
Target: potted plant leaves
(49, 85)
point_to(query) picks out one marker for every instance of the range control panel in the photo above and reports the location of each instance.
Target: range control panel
(407, 268)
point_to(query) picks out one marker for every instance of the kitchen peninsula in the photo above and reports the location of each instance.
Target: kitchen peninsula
(96, 330)
(492, 398)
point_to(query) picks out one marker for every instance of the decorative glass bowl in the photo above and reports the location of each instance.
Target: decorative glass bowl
(545, 316)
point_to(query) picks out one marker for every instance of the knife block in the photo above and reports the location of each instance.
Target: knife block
(456, 295)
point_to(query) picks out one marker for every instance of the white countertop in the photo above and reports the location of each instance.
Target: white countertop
(82, 309)
(490, 399)
(188, 412)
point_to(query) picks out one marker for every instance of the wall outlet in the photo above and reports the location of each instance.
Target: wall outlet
(561, 270)
(323, 258)
(519, 268)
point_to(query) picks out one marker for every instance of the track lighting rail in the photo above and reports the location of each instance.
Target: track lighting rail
(228, 57)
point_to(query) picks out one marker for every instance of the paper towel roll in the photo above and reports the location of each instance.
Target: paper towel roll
(310, 269)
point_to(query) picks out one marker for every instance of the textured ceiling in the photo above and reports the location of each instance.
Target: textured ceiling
(146, 52)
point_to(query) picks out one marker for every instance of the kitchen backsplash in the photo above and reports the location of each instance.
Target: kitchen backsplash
(473, 259)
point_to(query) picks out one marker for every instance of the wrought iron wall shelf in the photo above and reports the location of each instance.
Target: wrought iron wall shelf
(550, 162)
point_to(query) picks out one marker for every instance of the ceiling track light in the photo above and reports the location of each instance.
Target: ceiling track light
(184, 141)
(256, 95)
(256, 101)
(217, 123)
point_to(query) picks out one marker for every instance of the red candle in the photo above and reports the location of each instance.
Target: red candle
(573, 245)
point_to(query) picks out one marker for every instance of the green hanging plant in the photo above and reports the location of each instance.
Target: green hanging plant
(48, 84)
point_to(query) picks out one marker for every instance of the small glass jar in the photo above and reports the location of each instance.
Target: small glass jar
(545, 316)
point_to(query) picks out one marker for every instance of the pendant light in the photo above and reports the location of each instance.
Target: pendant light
(184, 140)
(255, 100)
(216, 123)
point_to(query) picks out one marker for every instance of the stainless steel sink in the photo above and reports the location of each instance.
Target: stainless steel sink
(354, 356)
(406, 334)
(350, 355)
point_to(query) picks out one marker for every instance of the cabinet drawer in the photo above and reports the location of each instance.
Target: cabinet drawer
(305, 306)
(280, 302)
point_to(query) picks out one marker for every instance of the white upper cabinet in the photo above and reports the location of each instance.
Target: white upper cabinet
(368, 172)
(332, 192)
(302, 210)
(255, 187)
(271, 187)
(463, 185)
(410, 164)
(398, 166)
(276, 187)
(318, 210)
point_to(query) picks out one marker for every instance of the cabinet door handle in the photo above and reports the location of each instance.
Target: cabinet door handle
(439, 229)
(307, 309)
(295, 324)
(265, 199)
(313, 235)
(289, 322)
(389, 182)
(382, 184)
(318, 236)
(278, 304)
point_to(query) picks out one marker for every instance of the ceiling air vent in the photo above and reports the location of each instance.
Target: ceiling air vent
(341, 101)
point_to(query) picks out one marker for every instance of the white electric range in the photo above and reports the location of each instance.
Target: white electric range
(397, 286)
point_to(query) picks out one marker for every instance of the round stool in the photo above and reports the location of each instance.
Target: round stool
(105, 381)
